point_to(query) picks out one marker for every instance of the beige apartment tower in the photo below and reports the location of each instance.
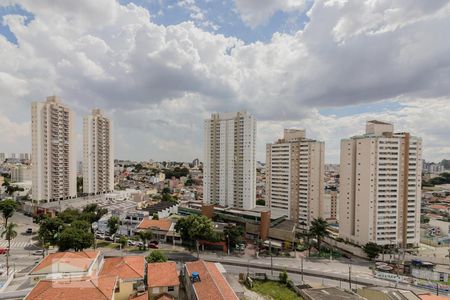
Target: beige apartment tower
(295, 176)
(98, 162)
(380, 187)
(53, 151)
(229, 169)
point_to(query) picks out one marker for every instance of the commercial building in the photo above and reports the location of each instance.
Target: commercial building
(295, 176)
(380, 187)
(229, 163)
(98, 162)
(53, 151)
(2, 157)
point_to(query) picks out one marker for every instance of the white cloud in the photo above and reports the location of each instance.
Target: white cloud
(257, 12)
(160, 82)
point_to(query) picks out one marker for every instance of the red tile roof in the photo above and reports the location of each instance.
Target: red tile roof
(162, 274)
(99, 288)
(164, 296)
(163, 225)
(212, 284)
(439, 207)
(127, 267)
(81, 260)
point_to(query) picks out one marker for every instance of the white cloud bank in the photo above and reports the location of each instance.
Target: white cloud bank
(159, 82)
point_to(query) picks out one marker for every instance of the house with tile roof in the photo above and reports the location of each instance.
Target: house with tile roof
(163, 280)
(62, 265)
(159, 228)
(130, 271)
(92, 288)
(205, 281)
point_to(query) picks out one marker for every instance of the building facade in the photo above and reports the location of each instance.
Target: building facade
(53, 151)
(98, 162)
(20, 173)
(380, 187)
(295, 176)
(229, 164)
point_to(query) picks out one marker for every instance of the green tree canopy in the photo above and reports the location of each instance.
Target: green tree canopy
(7, 208)
(234, 233)
(75, 238)
(50, 229)
(372, 250)
(69, 215)
(145, 236)
(156, 256)
(113, 225)
(318, 229)
(195, 228)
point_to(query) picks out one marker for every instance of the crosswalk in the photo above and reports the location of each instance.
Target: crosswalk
(15, 244)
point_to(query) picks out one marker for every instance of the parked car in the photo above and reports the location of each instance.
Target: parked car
(38, 252)
(132, 243)
(29, 231)
(3, 251)
(153, 246)
(154, 242)
(109, 238)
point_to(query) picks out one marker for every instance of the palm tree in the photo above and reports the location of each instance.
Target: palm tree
(9, 233)
(144, 236)
(7, 208)
(318, 229)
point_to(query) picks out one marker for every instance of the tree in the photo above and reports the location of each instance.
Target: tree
(82, 225)
(168, 198)
(123, 241)
(113, 225)
(260, 202)
(156, 256)
(50, 230)
(318, 229)
(155, 216)
(145, 236)
(92, 213)
(372, 250)
(424, 219)
(75, 238)
(283, 276)
(9, 233)
(69, 215)
(195, 228)
(233, 234)
(8, 207)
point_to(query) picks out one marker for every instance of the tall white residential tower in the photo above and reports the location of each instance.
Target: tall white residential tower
(229, 165)
(53, 151)
(380, 187)
(98, 161)
(295, 176)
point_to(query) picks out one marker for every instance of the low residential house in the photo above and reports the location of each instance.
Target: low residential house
(163, 280)
(205, 281)
(329, 293)
(92, 288)
(67, 265)
(159, 228)
(130, 271)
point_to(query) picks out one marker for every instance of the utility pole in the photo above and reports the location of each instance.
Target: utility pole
(271, 258)
(302, 267)
(350, 276)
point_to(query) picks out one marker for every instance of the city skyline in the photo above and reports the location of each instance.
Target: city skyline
(170, 68)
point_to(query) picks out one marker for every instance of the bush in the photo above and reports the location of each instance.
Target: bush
(283, 277)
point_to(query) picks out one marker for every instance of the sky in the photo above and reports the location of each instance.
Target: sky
(158, 68)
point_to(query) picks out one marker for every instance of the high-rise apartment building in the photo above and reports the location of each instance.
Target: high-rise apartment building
(2, 157)
(21, 173)
(229, 165)
(295, 176)
(380, 187)
(98, 162)
(53, 151)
